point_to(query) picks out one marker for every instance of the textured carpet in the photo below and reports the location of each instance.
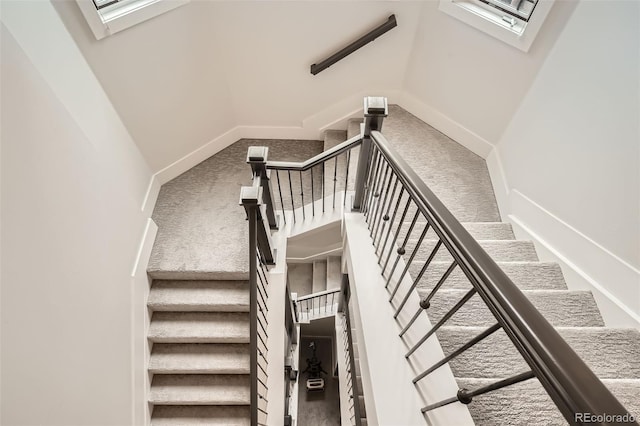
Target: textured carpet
(202, 231)
(456, 175)
(202, 235)
(199, 363)
(613, 354)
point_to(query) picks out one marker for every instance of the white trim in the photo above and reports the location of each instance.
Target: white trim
(498, 181)
(342, 373)
(197, 156)
(614, 282)
(276, 351)
(390, 394)
(469, 13)
(614, 311)
(88, 9)
(317, 256)
(140, 321)
(151, 196)
(312, 128)
(103, 25)
(465, 137)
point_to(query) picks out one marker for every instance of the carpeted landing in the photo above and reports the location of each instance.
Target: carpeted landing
(202, 233)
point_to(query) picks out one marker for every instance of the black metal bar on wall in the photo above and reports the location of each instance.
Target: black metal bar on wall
(346, 51)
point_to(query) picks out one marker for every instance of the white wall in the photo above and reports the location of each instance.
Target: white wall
(467, 83)
(73, 183)
(186, 77)
(571, 153)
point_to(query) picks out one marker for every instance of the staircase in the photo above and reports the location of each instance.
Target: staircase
(199, 329)
(326, 280)
(200, 354)
(613, 354)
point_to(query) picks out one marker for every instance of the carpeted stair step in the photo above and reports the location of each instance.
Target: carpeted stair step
(199, 327)
(561, 308)
(499, 250)
(526, 275)
(612, 353)
(200, 389)
(478, 230)
(199, 358)
(333, 138)
(199, 296)
(189, 415)
(353, 127)
(527, 403)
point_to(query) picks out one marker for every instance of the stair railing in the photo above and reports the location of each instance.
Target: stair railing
(261, 254)
(388, 193)
(321, 304)
(355, 411)
(392, 186)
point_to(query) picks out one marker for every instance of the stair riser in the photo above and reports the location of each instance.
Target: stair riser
(500, 251)
(199, 296)
(200, 390)
(611, 354)
(198, 415)
(199, 359)
(561, 309)
(527, 402)
(199, 327)
(478, 230)
(218, 307)
(527, 276)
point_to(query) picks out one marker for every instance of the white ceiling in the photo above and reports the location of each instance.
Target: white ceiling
(186, 77)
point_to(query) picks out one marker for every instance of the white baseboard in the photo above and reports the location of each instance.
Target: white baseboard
(446, 125)
(199, 155)
(140, 321)
(614, 312)
(311, 128)
(585, 264)
(150, 198)
(499, 182)
(318, 256)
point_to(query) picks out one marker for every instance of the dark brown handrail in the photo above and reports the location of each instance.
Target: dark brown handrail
(570, 383)
(352, 47)
(323, 157)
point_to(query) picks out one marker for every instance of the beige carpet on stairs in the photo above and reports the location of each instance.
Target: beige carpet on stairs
(199, 263)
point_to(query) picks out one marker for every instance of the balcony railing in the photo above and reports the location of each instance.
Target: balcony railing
(317, 305)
